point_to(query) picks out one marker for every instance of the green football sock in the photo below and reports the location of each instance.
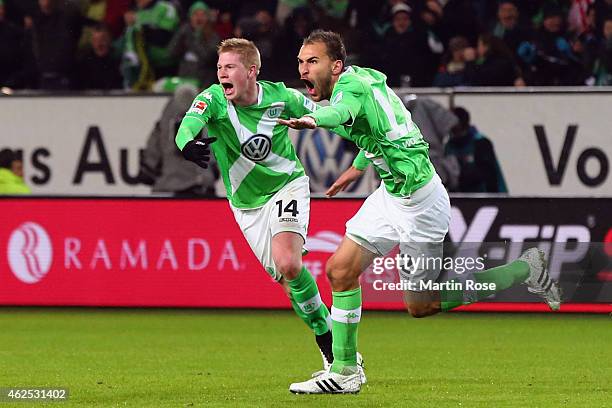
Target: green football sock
(306, 302)
(503, 277)
(346, 314)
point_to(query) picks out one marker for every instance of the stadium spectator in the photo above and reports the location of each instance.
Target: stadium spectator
(491, 65)
(480, 171)
(507, 27)
(163, 166)
(603, 9)
(548, 56)
(452, 70)
(602, 69)
(11, 51)
(250, 8)
(403, 50)
(94, 11)
(460, 19)
(362, 15)
(113, 16)
(545, 6)
(265, 38)
(223, 24)
(431, 16)
(54, 33)
(195, 45)
(435, 123)
(297, 27)
(382, 21)
(587, 41)
(144, 44)
(284, 9)
(389, 35)
(577, 15)
(97, 66)
(328, 13)
(11, 174)
(246, 27)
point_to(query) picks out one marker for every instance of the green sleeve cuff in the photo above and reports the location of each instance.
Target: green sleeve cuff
(360, 162)
(188, 130)
(330, 117)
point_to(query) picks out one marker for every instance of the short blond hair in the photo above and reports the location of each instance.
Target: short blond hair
(249, 54)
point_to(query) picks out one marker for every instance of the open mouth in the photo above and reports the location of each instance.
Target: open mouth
(309, 87)
(228, 88)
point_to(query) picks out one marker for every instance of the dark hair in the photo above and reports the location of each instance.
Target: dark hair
(496, 46)
(333, 44)
(513, 2)
(463, 115)
(7, 157)
(101, 27)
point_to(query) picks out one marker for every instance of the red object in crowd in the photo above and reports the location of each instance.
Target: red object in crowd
(115, 9)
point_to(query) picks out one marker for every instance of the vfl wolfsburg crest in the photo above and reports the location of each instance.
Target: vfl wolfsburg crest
(257, 147)
(274, 112)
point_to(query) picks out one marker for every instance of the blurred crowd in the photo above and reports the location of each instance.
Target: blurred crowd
(158, 44)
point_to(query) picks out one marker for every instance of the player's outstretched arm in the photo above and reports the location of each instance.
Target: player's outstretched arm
(195, 150)
(198, 151)
(345, 179)
(328, 117)
(305, 122)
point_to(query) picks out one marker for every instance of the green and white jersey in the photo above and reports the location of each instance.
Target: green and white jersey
(368, 113)
(254, 153)
(159, 15)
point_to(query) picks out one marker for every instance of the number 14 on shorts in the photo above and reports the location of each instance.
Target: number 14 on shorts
(290, 208)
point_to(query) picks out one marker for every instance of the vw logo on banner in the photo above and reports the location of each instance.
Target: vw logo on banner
(325, 157)
(29, 252)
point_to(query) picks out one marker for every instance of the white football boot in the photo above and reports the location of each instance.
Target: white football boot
(539, 281)
(329, 383)
(327, 366)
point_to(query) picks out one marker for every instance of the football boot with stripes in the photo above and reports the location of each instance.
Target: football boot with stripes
(329, 383)
(327, 365)
(539, 281)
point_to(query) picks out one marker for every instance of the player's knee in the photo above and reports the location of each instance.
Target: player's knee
(340, 275)
(288, 266)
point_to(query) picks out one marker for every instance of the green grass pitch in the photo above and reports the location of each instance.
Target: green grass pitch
(184, 358)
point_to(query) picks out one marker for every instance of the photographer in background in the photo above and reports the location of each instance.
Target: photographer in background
(480, 170)
(11, 174)
(435, 123)
(162, 165)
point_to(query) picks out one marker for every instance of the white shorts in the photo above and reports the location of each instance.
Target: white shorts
(418, 224)
(288, 210)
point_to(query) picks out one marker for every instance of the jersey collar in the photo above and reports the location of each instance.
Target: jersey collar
(259, 93)
(348, 69)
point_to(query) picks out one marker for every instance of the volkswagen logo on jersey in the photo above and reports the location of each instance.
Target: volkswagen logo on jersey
(257, 147)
